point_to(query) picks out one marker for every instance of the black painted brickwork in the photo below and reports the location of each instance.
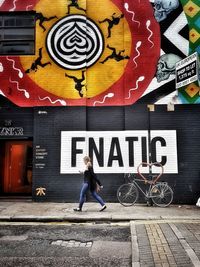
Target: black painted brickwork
(44, 125)
(19, 117)
(47, 128)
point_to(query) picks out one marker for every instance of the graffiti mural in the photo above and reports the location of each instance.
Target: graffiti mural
(102, 53)
(190, 94)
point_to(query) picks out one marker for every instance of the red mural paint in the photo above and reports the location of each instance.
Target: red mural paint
(119, 75)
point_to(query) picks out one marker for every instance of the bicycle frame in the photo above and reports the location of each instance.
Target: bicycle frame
(147, 194)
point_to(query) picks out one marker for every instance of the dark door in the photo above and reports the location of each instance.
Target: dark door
(18, 167)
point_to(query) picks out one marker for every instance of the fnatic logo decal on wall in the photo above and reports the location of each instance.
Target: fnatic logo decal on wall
(118, 151)
(75, 42)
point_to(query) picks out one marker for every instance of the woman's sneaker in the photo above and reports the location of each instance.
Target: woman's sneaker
(103, 208)
(77, 209)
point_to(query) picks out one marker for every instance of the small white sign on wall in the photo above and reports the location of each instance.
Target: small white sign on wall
(187, 70)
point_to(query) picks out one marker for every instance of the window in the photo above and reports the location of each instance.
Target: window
(17, 33)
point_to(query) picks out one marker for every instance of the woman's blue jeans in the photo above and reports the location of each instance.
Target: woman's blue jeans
(83, 192)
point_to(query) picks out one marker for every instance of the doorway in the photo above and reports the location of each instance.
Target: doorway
(16, 175)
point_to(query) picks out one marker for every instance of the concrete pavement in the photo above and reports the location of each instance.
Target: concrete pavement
(34, 211)
(160, 237)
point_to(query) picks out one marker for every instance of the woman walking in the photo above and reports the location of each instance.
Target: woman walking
(90, 183)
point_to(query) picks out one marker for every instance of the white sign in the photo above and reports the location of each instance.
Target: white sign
(187, 70)
(118, 151)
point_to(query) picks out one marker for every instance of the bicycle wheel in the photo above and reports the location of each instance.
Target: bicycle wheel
(127, 194)
(161, 194)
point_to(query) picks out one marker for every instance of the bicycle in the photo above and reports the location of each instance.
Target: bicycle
(160, 193)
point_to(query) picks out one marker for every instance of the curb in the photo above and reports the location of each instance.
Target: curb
(94, 219)
(135, 247)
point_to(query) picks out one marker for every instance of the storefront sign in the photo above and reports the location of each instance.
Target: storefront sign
(40, 157)
(187, 70)
(118, 151)
(11, 131)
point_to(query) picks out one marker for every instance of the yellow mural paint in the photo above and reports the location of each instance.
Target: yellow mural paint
(53, 78)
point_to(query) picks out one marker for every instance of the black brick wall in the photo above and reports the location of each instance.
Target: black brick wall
(45, 124)
(65, 187)
(20, 117)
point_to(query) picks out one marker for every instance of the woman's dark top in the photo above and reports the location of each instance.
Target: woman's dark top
(91, 178)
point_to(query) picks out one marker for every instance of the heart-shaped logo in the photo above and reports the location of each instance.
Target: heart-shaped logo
(146, 164)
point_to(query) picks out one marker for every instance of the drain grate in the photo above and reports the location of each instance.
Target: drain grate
(72, 243)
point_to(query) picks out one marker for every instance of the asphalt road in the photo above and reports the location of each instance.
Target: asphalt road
(56, 244)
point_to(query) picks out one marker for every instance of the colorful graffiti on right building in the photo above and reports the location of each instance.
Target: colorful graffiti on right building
(191, 93)
(180, 37)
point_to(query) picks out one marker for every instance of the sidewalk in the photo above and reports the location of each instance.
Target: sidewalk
(165, 244)
(47, 211)
(160, 237)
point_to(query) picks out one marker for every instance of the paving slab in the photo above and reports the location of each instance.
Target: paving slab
(161, 243)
